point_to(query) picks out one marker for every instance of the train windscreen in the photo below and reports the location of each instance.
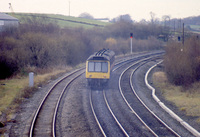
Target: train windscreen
(98, 67)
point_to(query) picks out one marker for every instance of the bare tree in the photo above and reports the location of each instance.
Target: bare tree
(153, 15)
(166, 20)
(154, 20)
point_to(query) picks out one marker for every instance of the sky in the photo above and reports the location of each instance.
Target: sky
(137, 9)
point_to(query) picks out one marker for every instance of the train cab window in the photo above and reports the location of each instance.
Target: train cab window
(105, 67)
(98, 67)
(91, 66)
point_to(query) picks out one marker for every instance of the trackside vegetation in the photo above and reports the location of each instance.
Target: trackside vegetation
(187, 100)
(179, 83)
(182, 62)
(41, 43)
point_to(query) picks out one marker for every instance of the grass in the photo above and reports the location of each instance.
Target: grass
(13, 91)
(187, 100)
(9, 90)
(196, 27)
(61, 20)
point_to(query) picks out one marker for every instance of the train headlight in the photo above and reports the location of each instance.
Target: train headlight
(90, 76)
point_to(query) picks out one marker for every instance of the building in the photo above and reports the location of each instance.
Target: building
(7, 21)
(103, 19)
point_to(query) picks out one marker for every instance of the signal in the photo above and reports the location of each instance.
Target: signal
(131, 35)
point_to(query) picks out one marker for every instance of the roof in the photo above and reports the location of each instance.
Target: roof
(102, 55)
(4, 16)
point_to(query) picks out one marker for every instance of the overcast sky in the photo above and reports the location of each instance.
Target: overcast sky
(137, 9)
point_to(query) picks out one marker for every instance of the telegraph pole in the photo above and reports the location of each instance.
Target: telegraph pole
(174, 27)
(183, 34)
(69, 8)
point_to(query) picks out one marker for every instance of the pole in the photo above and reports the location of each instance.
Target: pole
(69, 8)
(174, 27)
(131, 37)
(183, 34)
(131, 45)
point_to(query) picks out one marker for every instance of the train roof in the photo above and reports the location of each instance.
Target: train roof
(104, 54)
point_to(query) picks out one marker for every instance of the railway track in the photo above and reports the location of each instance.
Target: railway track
(117, 109)
(150, 120)
(126, 114)
(44, 121)
(106, 125)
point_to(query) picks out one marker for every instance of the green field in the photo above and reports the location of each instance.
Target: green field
(196, 27)
(62, 21)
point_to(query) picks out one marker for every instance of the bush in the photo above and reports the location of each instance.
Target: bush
(38, 43)
(8, 67)
(182, 63)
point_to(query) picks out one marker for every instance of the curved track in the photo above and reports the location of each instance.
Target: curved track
(116, 109)
(102, 121)
(43, 123)
(158, 128)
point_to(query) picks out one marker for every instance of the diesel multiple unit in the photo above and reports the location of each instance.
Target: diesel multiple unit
(99, 66)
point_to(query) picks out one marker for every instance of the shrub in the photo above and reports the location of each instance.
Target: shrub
(39, 43)
(182, 62)
(8, 67)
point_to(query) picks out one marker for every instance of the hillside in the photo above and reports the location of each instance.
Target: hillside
(61, 20)
(191, 23)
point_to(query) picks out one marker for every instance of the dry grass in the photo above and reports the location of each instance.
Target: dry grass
(187, 100)
(12, 91)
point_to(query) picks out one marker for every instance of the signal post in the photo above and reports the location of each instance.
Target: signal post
(131, 37)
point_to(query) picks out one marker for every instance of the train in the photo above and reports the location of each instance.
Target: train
(99, 67)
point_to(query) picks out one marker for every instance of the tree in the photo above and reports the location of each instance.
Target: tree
(154, 20)
(166, 18)
(86, 15)
(111, 43)
(143, 21)
(125, 17)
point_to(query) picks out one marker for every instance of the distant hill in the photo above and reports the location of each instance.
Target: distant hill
(61, 20)
(195, 20)
(191, 23)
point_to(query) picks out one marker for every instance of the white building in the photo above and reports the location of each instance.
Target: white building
(7, 21)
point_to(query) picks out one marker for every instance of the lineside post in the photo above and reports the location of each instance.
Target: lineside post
(131, 37)
(31, 79)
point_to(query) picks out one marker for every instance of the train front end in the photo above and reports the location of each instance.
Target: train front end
(98, 67)
(97, 71)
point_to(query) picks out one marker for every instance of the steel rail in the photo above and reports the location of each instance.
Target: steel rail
(95, 116)
(132, 58)
(121, 127)
(133, 89)
(91, 104)
(58, 103)
(44, 99)
(119, 84)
